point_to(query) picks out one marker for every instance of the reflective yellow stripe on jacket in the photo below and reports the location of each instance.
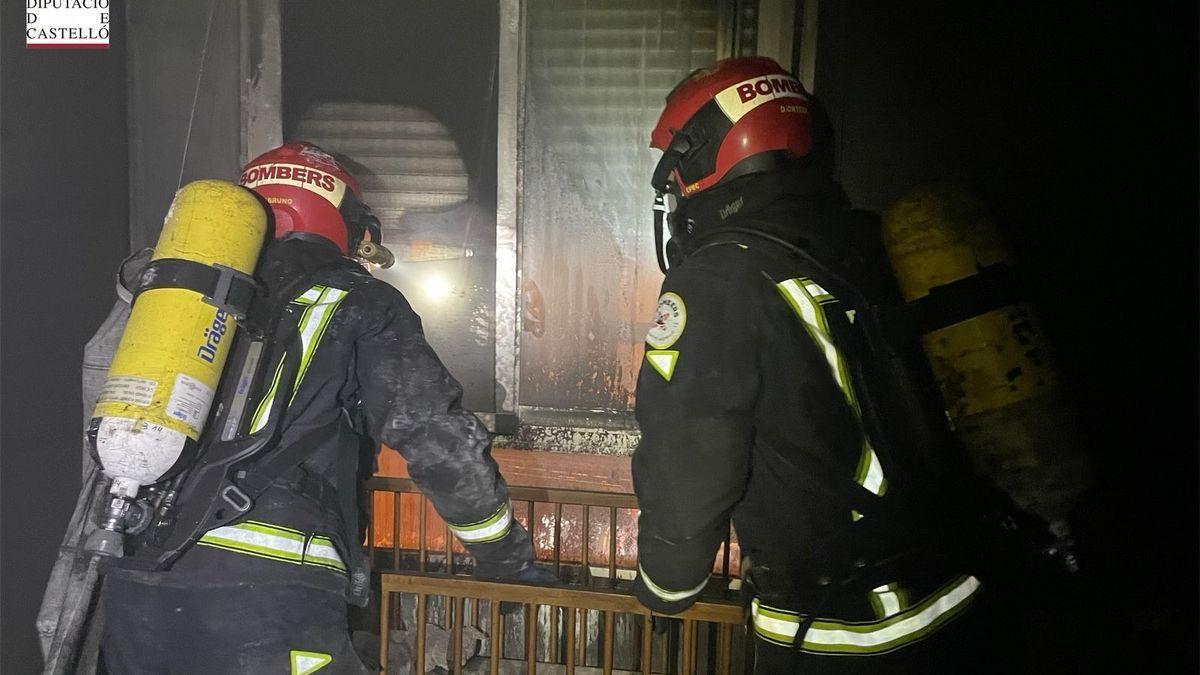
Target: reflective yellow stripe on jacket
(824, 636)
(320, 302)
(808, 300)
(273, 542)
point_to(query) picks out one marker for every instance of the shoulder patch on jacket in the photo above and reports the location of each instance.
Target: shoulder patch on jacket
(304, 663)
(663, 361)
(670, 318)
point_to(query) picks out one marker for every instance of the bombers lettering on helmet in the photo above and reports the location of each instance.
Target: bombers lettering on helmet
(286, 173)
(739, 99)
(309, 192)
(768, 86)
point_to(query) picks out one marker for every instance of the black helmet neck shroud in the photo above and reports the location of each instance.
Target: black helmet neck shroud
(359, 219)
(805, 194)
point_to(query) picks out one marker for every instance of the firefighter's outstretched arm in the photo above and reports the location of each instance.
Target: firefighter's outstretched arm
(415, 406)
(695, 402)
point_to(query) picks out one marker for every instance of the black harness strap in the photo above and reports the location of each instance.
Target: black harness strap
(281, 461)
(274, 463)
(992, 288)
(223, 287)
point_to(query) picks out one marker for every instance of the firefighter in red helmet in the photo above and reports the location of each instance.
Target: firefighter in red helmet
(772, 395)
(343, 367)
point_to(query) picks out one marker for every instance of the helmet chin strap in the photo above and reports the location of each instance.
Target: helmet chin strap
(660, 180)
(660, 216)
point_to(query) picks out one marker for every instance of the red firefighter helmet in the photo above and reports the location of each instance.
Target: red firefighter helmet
(733, 118)
(310, 192)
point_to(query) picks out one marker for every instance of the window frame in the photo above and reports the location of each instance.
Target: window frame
(524, 426)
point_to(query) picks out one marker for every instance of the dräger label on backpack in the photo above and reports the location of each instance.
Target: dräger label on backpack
(212, 336)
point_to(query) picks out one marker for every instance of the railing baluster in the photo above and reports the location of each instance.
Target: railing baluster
(583, 630)
(496, 638)
(455, 607)
(553, 646)
(587, 540)
(587, 577)
(531, 639)
(570, 612)
(554, 639)
(531, 525)
(558, 536)
(385, 606)
(689, 648)
(647, 641)
(420, 645)
(396, 511)
(612, 545)
(609, 621)
(421, 535)
(725, 658)
(715, 647)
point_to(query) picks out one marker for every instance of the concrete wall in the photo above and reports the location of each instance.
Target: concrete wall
(166, 54)
(65, 229)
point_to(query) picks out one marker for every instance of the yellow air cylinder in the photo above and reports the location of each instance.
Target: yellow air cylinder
(996, 372)
(164, 375)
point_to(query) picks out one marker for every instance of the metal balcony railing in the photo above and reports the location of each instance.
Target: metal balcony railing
(430, 608)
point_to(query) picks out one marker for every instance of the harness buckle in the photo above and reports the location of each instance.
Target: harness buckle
(237, 498)
(233, 292)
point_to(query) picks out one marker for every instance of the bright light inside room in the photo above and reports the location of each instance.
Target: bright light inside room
(437, 287)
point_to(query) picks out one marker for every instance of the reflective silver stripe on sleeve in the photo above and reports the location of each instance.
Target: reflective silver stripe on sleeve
(494, 527)
(665, 595)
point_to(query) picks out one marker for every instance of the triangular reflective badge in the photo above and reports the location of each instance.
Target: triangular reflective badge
(304, 663)
(663, 360)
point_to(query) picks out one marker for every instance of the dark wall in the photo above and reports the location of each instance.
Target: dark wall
(170, 66)
(1077, 123)
(63, 210)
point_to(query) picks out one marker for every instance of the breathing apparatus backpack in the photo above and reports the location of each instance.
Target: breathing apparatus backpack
(175, 472)
(148, 421)
(956, 509)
